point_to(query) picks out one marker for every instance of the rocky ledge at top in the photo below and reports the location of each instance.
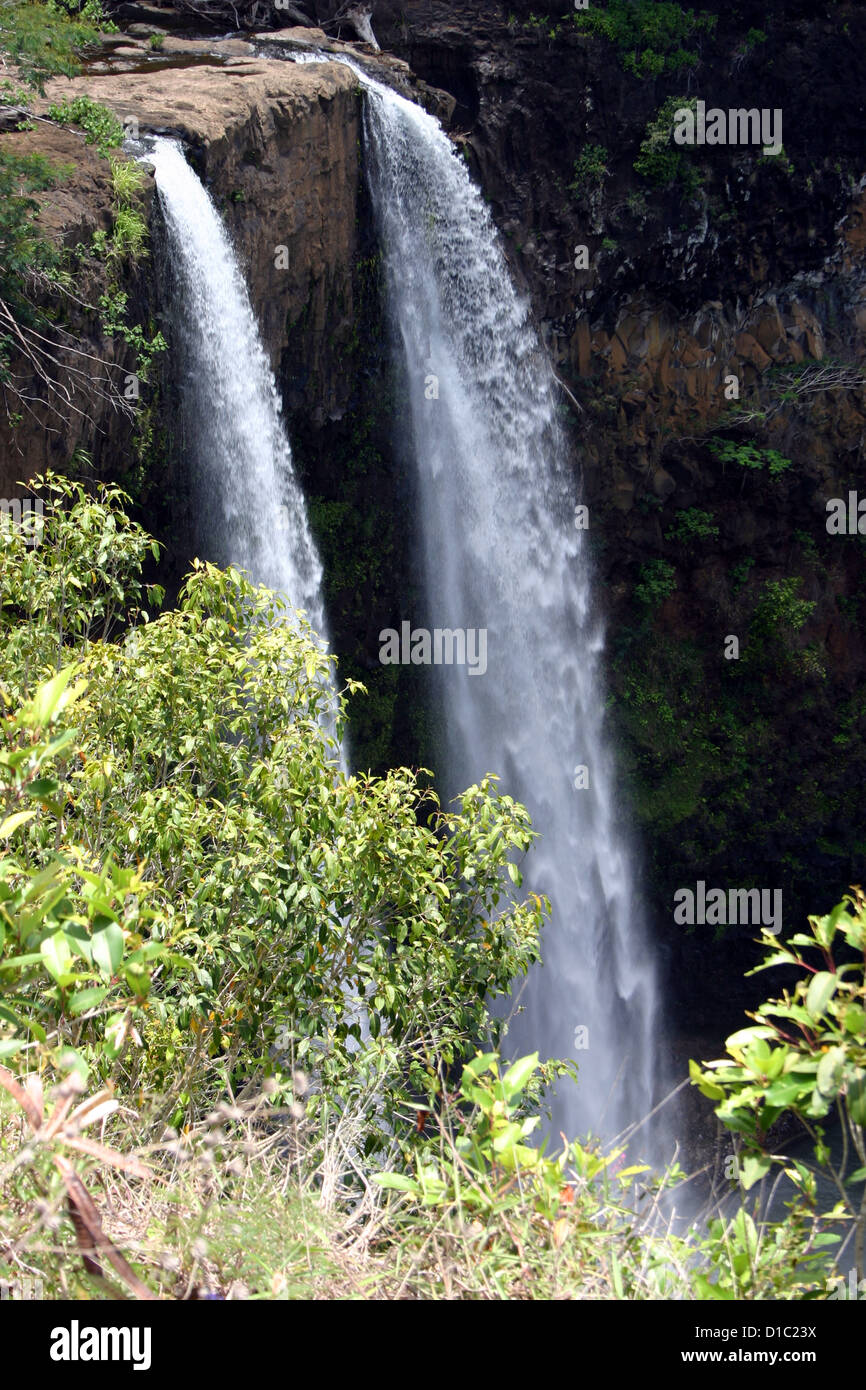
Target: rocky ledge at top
(681, 291)
(277, 143)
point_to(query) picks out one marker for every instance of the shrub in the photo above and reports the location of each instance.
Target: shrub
(805, 1056)
(127, 181)
(47, 40)
(281, 890)
(657, 580)
(101, 127)
(748, 455)
(691, 526)
(590, 169)
(659, 160)
(648, 34)
(779, 607)
(112, 307)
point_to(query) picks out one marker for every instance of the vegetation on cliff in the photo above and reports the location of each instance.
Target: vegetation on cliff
(44, 286)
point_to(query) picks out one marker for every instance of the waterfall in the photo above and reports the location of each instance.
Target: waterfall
(249, 509)
(502, 552)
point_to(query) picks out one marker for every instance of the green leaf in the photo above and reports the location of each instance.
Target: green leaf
(855, 1020)
(483, 1062)
(705, 1085)
(42, 787)
(507, 1137)
(52, 697)
(518, 1074)
(86, 999)
(57, 958)
(9, 1047)
(745, 1036)
(12, 822)
(821, 990)
(398, 1181)
(856, 1094)
(753, 1168)
(108, 949)
(711, 1292)
(829, 1077)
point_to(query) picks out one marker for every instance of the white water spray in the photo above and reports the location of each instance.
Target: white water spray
(501, 552)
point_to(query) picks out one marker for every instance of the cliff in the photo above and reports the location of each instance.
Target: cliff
(724, 265)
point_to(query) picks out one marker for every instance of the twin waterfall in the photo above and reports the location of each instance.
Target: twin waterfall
(496, 504)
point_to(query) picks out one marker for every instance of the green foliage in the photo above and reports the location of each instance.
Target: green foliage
(492, 1168)
(112, 308)
(805, 1056)
(779, 615)
(101, 127)
(85, 12)
(657, 580)
(739, 573)
(590, 169)
(661, 161)
(281, 889)
(74, 964)
(649, 34)
(127, 181)
(128, 236)
(780, 160)
(47, 40)
(14, 96)
(691, 526)
(23, 251)
(748, 455)
(127, 242)
(779, 607)
(533, 1225)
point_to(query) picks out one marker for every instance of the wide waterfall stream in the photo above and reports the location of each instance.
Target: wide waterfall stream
(502, 555)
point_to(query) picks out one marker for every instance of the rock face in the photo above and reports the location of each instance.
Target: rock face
(277, 145)
(74, 392)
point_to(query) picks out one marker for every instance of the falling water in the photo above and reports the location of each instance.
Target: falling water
(502, 552)
(249, 508)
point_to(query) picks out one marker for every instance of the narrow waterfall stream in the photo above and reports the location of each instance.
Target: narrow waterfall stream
(249, 508)
(502, 554)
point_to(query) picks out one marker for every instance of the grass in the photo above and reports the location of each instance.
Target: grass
(252, 1202)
